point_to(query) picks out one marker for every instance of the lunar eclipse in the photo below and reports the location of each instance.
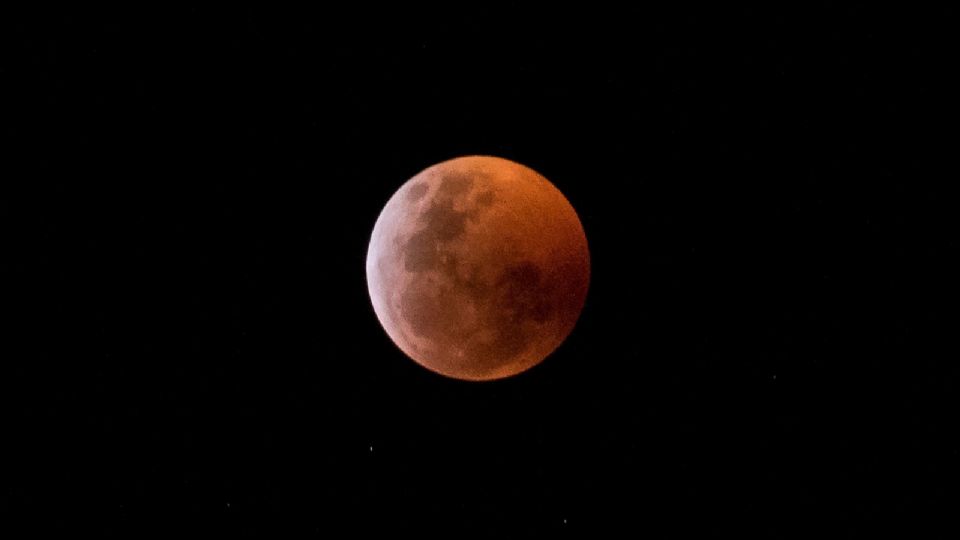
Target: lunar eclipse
(478, 268)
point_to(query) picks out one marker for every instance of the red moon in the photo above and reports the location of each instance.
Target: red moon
(478, 268)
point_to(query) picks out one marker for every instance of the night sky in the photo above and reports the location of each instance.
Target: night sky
(187, 203)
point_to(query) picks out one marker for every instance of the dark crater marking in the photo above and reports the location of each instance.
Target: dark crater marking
(417, 191)
(442, 223)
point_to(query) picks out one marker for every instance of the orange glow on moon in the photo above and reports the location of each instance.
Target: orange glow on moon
(478, 268)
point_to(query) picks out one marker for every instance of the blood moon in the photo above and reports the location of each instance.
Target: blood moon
(478, 268)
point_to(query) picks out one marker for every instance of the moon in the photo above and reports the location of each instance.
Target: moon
(478, 268)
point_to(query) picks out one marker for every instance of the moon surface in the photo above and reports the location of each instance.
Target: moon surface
(478, 268)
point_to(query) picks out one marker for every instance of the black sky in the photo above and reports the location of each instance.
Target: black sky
(187, 221)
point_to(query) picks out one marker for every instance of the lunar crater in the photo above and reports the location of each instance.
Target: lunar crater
(417, 192)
